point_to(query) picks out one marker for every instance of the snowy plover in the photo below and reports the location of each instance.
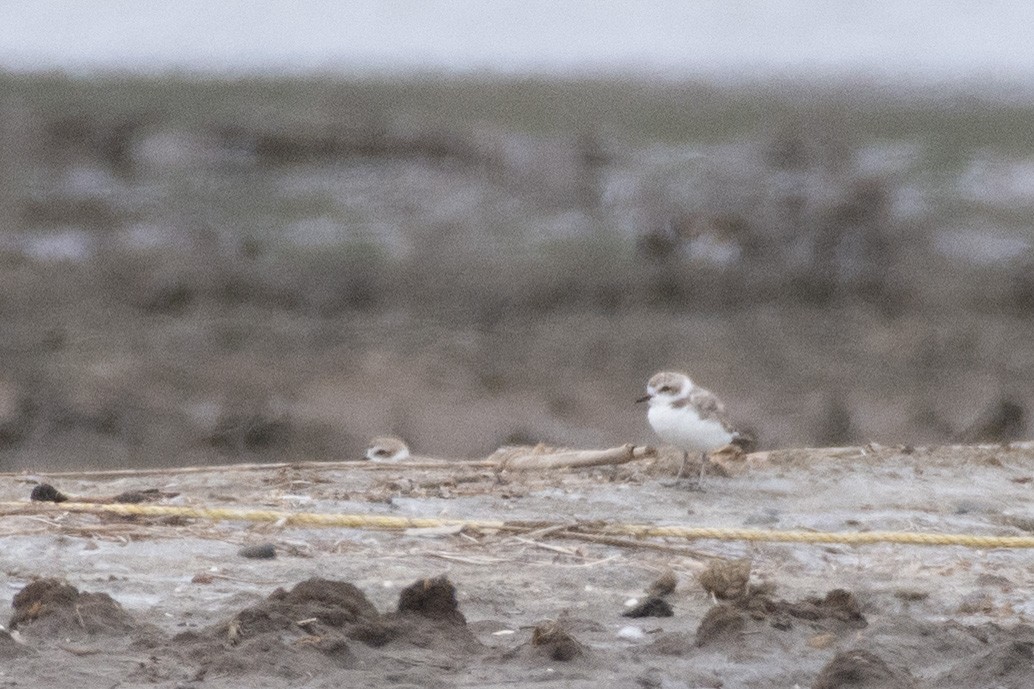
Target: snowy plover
(387, 449)
(688, 417)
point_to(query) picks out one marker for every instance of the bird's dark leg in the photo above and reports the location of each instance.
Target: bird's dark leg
(703, 467)
(682, 468)
(685, 483)
(680, 481)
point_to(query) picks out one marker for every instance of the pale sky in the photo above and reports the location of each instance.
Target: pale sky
(940, 38)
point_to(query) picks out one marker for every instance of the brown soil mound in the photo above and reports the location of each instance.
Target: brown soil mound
(409, 630)
(313, 607)
(859, 669)
(334, 603)
(290, 634)
(555, 643)
(427, 616)
(551, 642)
(838, 610)
(432, 598)
(50, 608)
(724, 623)
(308, 630)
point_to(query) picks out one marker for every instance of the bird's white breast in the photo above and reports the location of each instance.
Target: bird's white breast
(685, 429)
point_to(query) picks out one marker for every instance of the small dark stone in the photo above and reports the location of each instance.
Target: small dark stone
(555, 642)
(45, 492)
(263, 551)
(651, 607)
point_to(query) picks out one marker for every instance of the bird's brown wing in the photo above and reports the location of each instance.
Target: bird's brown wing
(707, 405)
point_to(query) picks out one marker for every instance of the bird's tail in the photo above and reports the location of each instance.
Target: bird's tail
(745, 440)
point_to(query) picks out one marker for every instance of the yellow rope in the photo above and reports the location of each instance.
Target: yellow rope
(853, 538)
(353, 521)
(368, 521)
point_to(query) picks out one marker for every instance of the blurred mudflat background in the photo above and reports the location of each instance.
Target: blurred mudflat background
(198, 271)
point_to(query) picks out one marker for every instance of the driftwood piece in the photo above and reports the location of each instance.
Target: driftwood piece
(543, 457)
(518, 458)
(732, 460)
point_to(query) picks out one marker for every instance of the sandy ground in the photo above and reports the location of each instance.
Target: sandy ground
(186, 610)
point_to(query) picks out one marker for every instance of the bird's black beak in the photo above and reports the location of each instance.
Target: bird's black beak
(643, 398)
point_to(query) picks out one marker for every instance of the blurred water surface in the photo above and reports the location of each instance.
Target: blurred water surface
(924, 38)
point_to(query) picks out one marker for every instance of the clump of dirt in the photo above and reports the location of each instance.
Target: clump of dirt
(45, 492)
(312, 603)
(860, 669)
(726, 579)
(723, 623)
(51, 608)
(434, 599)
(551, 640)
(290, 634)
(427, 616)
(334, 603)
(836, 611)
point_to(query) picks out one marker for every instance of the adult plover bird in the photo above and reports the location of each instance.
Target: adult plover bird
(689, 417)
(387, 449)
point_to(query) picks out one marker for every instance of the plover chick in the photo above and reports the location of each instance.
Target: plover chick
(387, 449)
(688, 416)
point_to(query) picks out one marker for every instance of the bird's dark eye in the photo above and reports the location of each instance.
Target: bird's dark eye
(665, 388)
(380, 453)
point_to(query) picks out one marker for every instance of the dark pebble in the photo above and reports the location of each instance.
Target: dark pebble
(45, 492)
(265, 551)
(651, 607)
